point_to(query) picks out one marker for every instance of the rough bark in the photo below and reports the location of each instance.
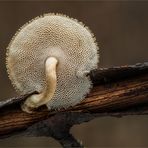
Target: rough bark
(117, 91)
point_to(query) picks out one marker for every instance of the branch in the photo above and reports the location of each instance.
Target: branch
(117, 91)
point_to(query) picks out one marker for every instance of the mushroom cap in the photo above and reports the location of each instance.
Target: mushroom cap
(53, 35)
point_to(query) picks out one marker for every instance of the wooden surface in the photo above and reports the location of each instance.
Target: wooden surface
(116, 90)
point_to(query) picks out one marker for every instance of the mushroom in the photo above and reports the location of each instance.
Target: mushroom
(53, 55)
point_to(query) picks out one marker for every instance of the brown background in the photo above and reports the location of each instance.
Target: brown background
(121, 29)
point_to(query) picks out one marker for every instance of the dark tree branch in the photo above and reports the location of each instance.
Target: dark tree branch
(117, 91)
(14, 100)
(118, 73)
(57, 127)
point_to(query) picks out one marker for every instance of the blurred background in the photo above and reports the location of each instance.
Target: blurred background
(121, 29)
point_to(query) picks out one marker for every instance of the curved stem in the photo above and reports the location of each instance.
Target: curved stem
(45, 96)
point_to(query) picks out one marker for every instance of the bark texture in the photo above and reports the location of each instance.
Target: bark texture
(117, 91)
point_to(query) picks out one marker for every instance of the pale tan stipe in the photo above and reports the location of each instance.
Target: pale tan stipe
(37, 100)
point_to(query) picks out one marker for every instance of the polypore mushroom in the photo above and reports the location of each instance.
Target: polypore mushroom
(52, 54)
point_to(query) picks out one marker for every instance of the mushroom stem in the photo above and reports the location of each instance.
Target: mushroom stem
(45, 96)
